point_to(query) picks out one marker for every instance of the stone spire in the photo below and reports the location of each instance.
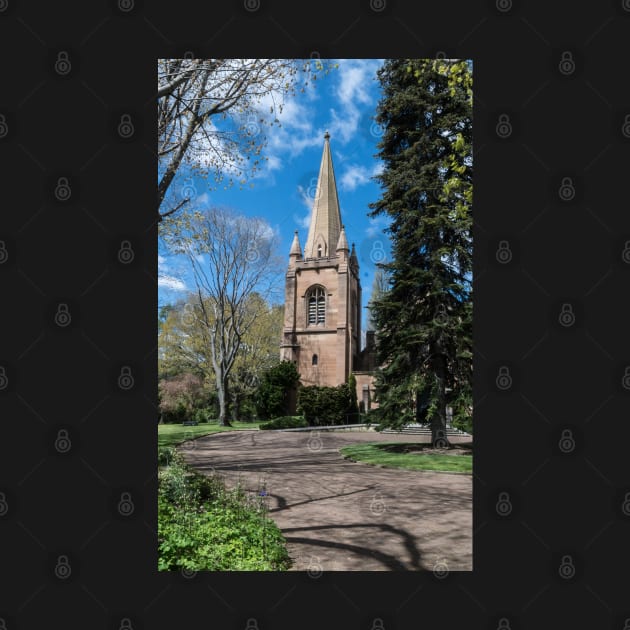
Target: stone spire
(323, 232)
(342, 243)
(295, 247)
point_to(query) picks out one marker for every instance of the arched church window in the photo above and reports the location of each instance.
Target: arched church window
(316, 302)
(314, 359)
(319, 251)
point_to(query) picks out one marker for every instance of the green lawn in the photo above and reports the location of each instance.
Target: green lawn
(173, 434)
(408, 456)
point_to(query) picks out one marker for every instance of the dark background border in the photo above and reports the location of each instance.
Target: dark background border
(554, 187)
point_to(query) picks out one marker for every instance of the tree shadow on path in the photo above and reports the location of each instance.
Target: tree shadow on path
(392, 563)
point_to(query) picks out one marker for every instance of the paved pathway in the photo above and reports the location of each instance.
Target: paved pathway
(338, 515)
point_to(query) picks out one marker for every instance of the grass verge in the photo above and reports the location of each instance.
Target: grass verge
(410, 456)
(173, 434)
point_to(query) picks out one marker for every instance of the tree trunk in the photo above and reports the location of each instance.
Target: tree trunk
(222, 393)
(439, 437)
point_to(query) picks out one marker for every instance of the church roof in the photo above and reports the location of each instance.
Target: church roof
(325, 216)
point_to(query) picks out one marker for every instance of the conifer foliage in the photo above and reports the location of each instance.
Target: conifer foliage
(424, 320)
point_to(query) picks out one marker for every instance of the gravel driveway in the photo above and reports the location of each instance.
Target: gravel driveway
(338, 515)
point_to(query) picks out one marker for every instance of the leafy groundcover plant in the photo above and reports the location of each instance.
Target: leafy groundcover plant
(202, 526)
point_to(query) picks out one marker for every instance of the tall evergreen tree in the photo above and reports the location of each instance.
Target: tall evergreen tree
(424, 321)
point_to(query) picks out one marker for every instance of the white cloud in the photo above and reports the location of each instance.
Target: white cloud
(355, 74)
(165, 278)
(355, 87)
(203, 199)
(357, 175)
(354, 176)
(376, 226)
(171, 283)
(306, 196)
(304, 220)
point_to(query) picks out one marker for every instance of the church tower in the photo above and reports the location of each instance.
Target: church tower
(322, 314)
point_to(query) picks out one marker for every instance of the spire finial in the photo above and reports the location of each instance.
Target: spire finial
(326, 135)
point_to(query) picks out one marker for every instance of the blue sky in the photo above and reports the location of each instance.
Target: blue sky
(342, 103)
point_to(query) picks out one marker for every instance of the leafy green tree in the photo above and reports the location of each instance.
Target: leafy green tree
(258, 353)
(424, 320)
(275, 390)
(183, 349)
(232, 258)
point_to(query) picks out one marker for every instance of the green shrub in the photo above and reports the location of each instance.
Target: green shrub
(204, 527)
(201, 416)
(274, 392)
(165, 455)
(285, 422)
(322, 406)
